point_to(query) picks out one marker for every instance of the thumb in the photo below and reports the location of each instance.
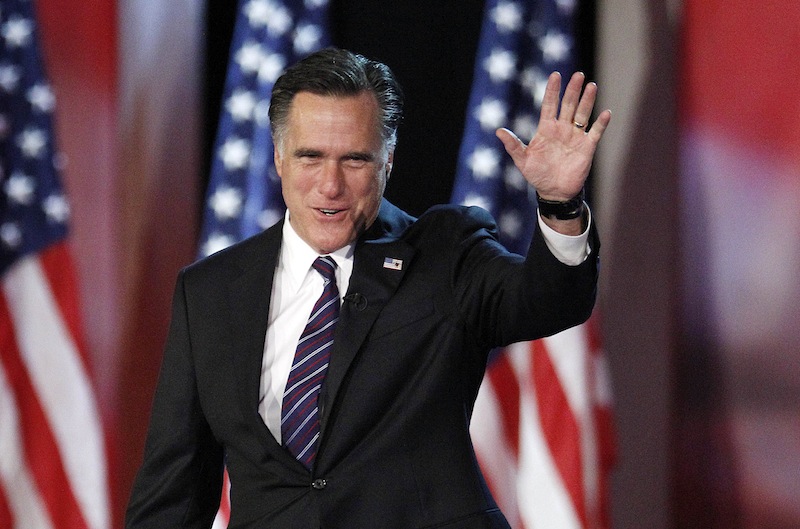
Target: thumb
(514, 146)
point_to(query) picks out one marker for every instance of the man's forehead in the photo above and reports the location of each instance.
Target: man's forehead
(311, 112)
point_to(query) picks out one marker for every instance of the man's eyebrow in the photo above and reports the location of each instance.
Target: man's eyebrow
(307, 152)
(303, 152)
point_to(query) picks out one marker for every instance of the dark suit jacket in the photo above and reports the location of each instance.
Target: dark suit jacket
(410, 350)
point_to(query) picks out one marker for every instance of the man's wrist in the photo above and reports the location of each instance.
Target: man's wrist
(558, 210)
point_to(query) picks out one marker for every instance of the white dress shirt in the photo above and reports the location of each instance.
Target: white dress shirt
(296, 288)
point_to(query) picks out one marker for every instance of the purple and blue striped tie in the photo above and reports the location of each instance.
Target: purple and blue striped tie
(299, 414)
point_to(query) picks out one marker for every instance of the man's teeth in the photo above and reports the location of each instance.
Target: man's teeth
(329, 211)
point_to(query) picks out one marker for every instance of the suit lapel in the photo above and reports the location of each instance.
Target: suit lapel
(372, 285)
(248, 299)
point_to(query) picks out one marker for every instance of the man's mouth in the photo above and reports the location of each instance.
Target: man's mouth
(329, 212)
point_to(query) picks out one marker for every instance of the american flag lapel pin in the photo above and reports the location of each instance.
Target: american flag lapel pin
(393, 264)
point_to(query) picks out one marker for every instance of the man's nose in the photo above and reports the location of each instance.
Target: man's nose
(331, 182)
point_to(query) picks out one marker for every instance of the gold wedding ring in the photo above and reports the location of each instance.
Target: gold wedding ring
(579, 125)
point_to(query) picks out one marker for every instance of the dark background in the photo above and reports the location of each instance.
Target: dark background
(430, 45)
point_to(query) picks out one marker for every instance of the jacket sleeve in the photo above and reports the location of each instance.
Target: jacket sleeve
(180, 480)
(505, 298)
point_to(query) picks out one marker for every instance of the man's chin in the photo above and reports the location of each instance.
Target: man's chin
(330, 244)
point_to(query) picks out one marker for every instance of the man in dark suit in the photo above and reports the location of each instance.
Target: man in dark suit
(358, 415)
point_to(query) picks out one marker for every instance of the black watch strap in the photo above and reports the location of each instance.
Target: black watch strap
(571, 209)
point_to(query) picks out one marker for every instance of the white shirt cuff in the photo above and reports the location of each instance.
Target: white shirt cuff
(569, 249)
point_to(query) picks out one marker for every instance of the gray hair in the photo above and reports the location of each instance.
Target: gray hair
(338, 73)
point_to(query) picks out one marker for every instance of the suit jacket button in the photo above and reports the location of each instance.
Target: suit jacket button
(319, 484)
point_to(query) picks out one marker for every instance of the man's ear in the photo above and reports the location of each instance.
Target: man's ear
(389, 163)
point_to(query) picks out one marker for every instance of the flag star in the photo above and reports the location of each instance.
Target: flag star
(271, 67)
(258, 12)
(474, 199)
(241, 104)
(500, 65)
(20, 188)
(216, 242)
(525, 127)
(507, 17)
(56, 208)
(11, 235)
(280, 21)
(514, 180)
(555, 47)
(510, 224)
(41, 97)
(566, 6)
(484, 162)
(491, 114)
(249, 56)
(32, 142)
(307, 38)
(261, 113)
(9, 77)
(235, 153)
(534, 81)
(17, 32)
(268, 217)
(226, 202)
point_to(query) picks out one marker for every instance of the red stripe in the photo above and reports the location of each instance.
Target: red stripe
(560, 427)
(39, 444)
(225, 503)
(506, 388)
(6, 519)
(606, 457)
(604, 428)
(58, 267)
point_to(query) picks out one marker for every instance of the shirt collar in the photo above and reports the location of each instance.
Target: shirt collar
(297, 257)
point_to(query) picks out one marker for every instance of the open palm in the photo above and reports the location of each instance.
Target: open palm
(558, 158)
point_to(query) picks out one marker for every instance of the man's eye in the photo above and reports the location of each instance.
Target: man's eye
(309, 159)
(355, 162)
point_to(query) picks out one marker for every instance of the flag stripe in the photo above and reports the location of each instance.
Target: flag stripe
(17, 488)
(224, 512)
(57, 375)
(506, 389)
(542, 495)
(5, 511)
(498, 464)
(559, 426)
(58, 266)
(39, 445)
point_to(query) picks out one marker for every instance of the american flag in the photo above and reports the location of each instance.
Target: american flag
(244, 194)
(541, 425)
(53, 463)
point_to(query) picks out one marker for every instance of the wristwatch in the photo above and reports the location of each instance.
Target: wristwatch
(571, 209)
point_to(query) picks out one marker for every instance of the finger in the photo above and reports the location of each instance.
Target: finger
(583, 114)
(572, 95)
(599, 126)
(550, 99)
(514, 146)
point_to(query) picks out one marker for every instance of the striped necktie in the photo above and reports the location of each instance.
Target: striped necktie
(299, 413)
